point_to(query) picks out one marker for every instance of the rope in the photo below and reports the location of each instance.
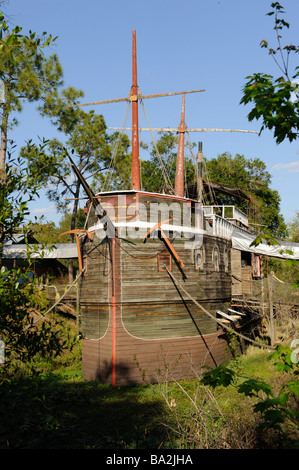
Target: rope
(139, 256)
(164, 172)
(57, 302)
(175, 281)
(87, 217)
(116, 146)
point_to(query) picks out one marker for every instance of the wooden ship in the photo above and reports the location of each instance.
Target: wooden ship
(156, 279)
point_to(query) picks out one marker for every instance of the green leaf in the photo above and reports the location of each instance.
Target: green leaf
(294, 387)
(252, 387)
(220, 376)
(274, 417)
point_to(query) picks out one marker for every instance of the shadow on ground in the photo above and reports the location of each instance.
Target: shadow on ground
(52, 413)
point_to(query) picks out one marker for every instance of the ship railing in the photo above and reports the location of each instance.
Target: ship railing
(230, 213)
(216, 225)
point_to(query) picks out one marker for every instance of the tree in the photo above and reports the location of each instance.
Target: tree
(249, 174)
(21, 187)
(118, 167)
(275, 99)
(87, 142)
(65, 223)
(165, 153)
(44, 232)
(26, 74)
(22, 339)
(294, 228)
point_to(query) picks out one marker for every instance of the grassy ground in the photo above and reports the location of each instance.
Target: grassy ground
(57, 409)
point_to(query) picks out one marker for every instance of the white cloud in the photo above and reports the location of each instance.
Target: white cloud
(292, 167)
(43, 210)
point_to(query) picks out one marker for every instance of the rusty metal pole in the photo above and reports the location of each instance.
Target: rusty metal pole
(179, 176)
(135, 137)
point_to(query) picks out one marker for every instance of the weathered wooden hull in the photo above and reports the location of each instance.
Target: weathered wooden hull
(138, 360)
(136, 322)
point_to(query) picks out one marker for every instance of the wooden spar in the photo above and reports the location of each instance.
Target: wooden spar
(133, 98)
(135, 137)
(179, 176)
(165, 239)
(176, 129)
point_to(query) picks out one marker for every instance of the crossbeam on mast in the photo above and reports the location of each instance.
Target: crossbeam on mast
(176, 129)
(136, 97)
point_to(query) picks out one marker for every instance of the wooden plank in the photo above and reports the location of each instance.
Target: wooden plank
(228, 317)
(235, 311)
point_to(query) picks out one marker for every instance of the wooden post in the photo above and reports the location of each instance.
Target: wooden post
(78, 307)
(135, 130)
(263, 300)
(272, 325)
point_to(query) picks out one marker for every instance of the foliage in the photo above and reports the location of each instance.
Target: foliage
(89, 139)
(275, 100)
(153, 172)
(116, 173)
(23, 340)
(65, 223)
(89, 144)
(276, 410)
(294, 228)
(86, 134)
(26, 74)
(21, 187)
(250, 175)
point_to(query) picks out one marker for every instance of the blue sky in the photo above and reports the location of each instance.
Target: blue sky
(195, 44)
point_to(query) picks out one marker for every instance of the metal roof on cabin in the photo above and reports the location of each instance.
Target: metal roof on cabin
(57, 251)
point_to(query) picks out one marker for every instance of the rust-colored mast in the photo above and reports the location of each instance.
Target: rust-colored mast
(135, 136)
(179, 177)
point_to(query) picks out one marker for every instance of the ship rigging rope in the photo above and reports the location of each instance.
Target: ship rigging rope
(116, 146)
(176, 282)
(163, 250)
(164, 171)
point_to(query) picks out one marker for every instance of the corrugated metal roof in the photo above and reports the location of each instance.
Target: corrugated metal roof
(57, 251)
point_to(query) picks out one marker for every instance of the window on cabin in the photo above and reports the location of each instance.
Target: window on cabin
(199, 259)
(164, 261)
(245, 259)
(216, 258)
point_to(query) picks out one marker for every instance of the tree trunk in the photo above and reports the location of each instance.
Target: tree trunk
(2, 167)
(73, 226)
(3, 145)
